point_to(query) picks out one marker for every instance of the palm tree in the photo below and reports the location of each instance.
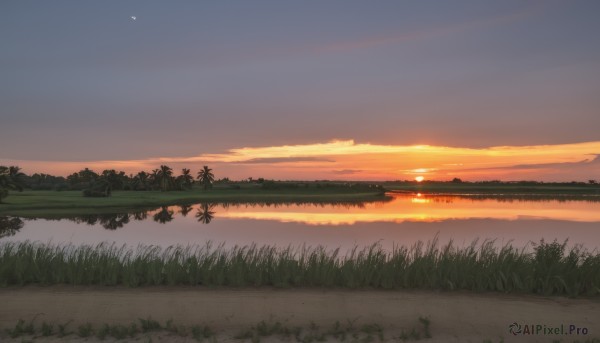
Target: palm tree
(185, 180)
(206, 177)
(140, 181)
(154, 180)
(165, 177)
(205, 213)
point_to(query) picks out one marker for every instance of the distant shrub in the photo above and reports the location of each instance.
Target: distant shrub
(98, 189)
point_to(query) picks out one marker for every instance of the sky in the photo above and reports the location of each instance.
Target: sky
(357, 90)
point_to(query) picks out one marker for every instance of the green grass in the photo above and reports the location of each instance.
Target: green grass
(49, 203)
(547, 270)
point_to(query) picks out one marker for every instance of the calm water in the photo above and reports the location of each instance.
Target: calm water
(401, 220)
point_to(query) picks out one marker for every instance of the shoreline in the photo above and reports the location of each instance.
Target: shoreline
(29, 204)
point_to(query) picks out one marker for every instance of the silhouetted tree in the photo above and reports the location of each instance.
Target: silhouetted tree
(154, 179)
(141, 182)
(11, 178)
(116, 180)
(206, 177)
(83, 179)
(165, 178)
(185, 180)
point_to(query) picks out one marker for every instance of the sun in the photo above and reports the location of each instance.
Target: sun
(419, 178)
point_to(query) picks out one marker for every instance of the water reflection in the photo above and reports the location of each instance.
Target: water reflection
(433, 208)
(164, 215)
(107, 221)
(205, 213)
(185, 209)
(400, 219)
(396, 208)
(9, 226)
(140, 215)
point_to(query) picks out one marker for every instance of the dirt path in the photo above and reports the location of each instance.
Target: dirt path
(454, 316)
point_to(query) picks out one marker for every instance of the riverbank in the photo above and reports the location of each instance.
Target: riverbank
(524, 188)
(452, 317)
(49, 203)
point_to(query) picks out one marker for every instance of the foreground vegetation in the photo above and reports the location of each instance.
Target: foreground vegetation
(340, 331)
(547, 270)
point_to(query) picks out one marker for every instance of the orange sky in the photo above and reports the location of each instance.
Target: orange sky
(349, 160)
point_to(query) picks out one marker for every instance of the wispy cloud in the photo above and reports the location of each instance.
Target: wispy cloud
(398, 38)
(270, 160)
(347, 171)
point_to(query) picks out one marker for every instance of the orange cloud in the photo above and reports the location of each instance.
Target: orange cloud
(371, 162)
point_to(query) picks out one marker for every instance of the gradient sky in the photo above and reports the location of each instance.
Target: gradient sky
(81, 83)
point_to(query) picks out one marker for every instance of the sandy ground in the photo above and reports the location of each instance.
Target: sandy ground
(455, 317)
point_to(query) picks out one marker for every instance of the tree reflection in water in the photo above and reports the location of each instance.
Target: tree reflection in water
(9, 226)
(185, 209)
(141, 215)
(114, 221)
(108, 221)
(163, 216)
(205, 213)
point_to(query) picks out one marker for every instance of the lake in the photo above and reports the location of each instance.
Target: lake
(401, 219)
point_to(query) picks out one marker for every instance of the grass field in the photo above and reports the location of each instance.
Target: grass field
(43, 203)
(548, 270)
(500, 188)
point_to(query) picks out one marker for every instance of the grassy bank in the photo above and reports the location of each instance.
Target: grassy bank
(40, 203)
(508, 188)
(548, 270)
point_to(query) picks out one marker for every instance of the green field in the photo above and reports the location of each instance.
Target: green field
(44, 203)
(549, 270)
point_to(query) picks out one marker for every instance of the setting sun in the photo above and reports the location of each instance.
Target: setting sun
(419, 178)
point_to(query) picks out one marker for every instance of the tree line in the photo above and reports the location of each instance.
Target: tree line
(102, 184)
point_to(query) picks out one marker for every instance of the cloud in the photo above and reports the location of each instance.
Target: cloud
(347, 171)
(283, 160)
(347, 159)
(423, 34)
(586, 162)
